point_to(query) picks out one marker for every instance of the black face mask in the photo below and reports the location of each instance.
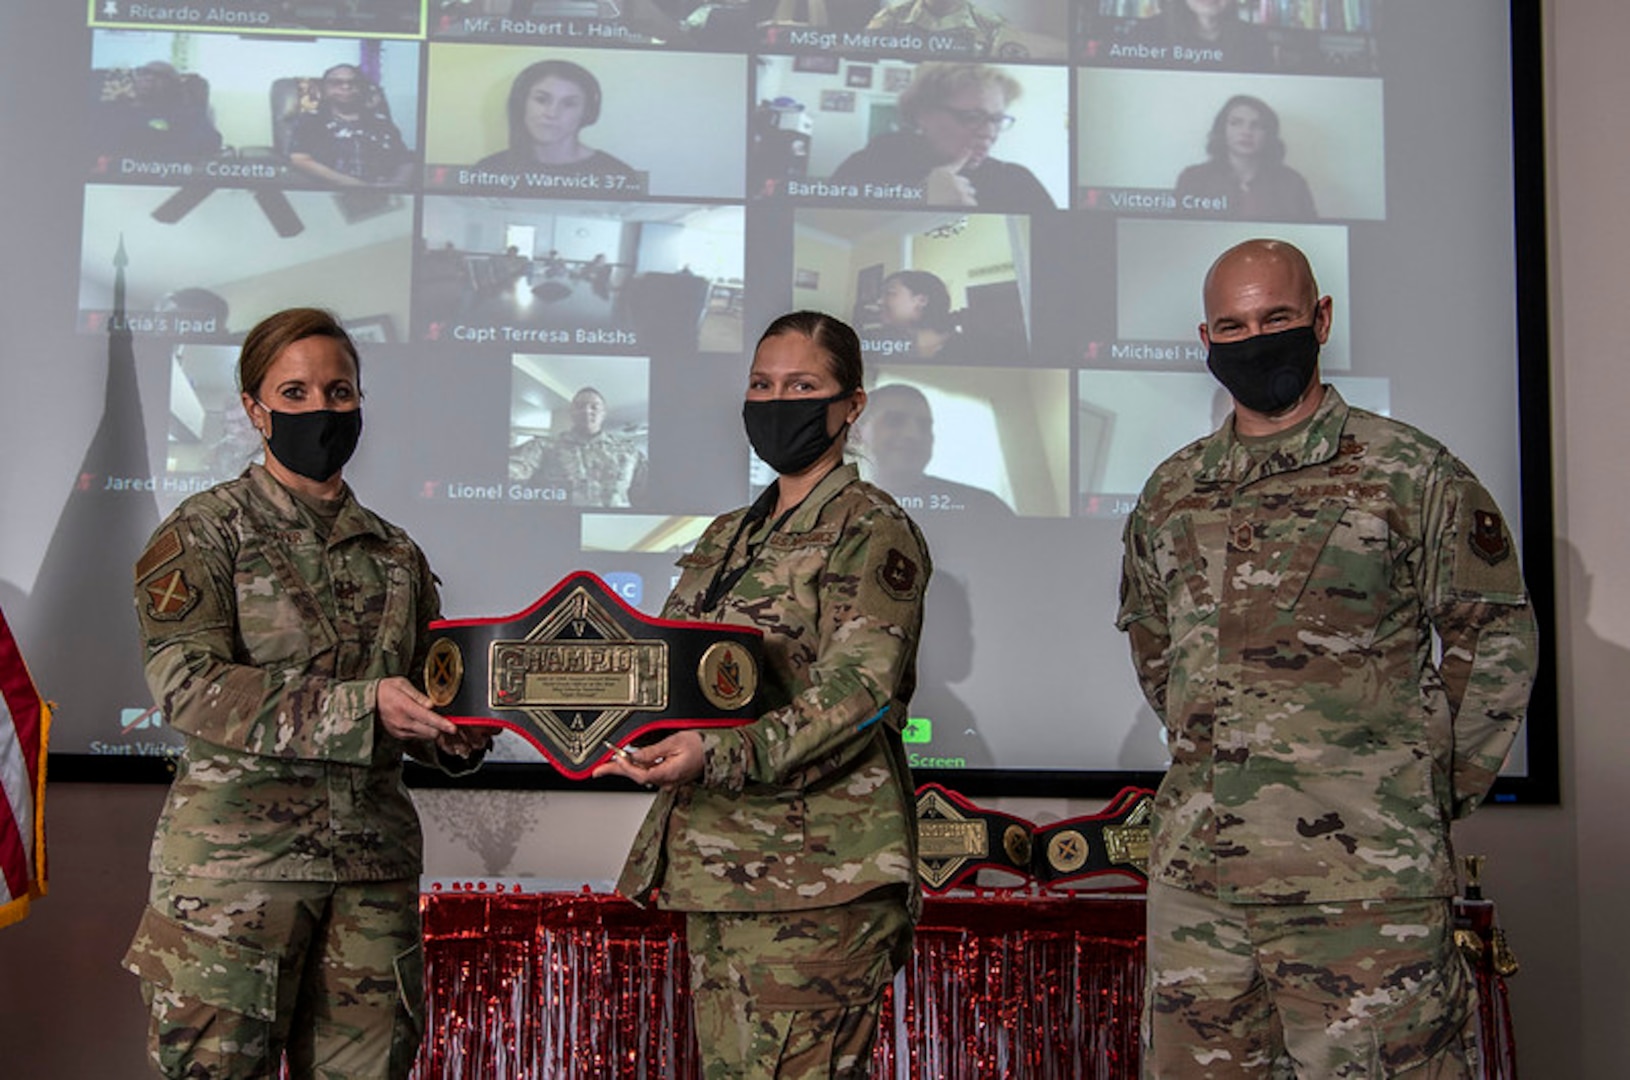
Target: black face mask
(1266, 373)
(315, 444)
(789, 434)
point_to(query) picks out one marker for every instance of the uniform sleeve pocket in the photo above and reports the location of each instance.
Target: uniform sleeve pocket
(397, 621)
(225, 974)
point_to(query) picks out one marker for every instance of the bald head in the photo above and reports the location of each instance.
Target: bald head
(1262, 286)
(1255, 260)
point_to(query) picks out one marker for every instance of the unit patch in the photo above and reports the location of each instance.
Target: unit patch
(898, 575)
(165, 546)
(170, 598)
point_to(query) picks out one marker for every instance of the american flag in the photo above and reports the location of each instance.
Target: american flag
(25, 720)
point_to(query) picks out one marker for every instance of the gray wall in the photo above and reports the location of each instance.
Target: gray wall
(1561, 875)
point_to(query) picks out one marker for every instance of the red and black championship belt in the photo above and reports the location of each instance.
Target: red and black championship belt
(1114, 840)
(580, 668)
(957, 838)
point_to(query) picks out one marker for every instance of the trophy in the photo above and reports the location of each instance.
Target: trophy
(957, 838)
(580, 673)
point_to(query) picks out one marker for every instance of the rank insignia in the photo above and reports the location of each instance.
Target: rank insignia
(898, 575)
(1488, 538)
(169, 598)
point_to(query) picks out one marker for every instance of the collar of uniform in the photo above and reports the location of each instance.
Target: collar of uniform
(1227, 458)
(920, 17)
(353, 520)
(808, 513)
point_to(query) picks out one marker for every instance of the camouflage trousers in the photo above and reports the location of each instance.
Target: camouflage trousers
(794, 994)
(1335, 990)
(236, 973)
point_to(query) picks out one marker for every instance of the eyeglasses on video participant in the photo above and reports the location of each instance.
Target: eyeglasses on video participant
(955, 113)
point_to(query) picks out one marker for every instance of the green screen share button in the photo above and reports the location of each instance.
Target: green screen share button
(918, 729)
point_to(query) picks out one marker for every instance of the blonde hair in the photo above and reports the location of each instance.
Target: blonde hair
(936, 83)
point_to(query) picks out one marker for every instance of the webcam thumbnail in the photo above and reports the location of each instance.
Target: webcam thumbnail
(938, 287)
(212, 109)
(214, 269)
(1224, 145)
(967, 135)
(620, 277)
(1234, 35)
(514, 120)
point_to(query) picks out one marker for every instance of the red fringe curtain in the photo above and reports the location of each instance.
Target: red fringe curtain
(1004, 986)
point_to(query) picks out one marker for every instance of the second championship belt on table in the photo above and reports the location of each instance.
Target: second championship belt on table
(957, 838)
(580, 669)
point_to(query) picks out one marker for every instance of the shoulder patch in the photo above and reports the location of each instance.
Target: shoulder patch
(898, 575)
(170, 598)
(164, 547)
(1482, 554)
(1487, 537)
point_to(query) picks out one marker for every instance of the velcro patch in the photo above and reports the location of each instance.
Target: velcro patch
(1488, 537)
(165, 546)
(898, 575)
(170, 598)
(1483, 556)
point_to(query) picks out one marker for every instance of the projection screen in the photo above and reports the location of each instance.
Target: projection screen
(180, 169)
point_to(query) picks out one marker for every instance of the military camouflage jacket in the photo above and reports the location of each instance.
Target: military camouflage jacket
(264, 646)
(603, 469)
(1281, 600)
(977, 27)
(812, 804)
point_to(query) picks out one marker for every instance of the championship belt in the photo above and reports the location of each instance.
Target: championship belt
(580, 669)
(1114, 840)
(956, 840)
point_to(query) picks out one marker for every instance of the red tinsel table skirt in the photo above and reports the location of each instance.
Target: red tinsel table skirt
(562, 986)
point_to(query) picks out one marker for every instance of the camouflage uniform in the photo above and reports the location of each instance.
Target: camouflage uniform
(795, 853)
(981, 29)
(603, 469)
(1281, 597)
(283, 909)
